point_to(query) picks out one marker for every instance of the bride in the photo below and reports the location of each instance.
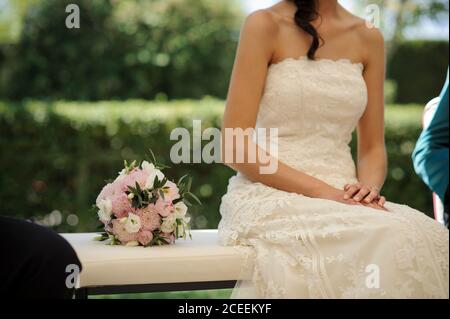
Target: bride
(318, 227)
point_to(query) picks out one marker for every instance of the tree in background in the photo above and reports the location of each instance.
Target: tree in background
(11, 14)
(398, 15)
(124, 49)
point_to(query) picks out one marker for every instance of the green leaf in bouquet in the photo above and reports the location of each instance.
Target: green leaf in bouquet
(189, 184)
(152, 198)
(152, 156)
(129, 167)
(175, 201)
(187, 202)
(139, 193)
(161, 166)
(157, 183)
(161, 193)
(192, 197)
(152, 159)
(116, 241)
(154, 240)
(163, 241)
(102, 237)
(141, 197)
(138, 187)
(182, 183)
(182, 178)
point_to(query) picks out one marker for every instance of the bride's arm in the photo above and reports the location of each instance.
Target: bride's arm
(246, 88)
(372, 157)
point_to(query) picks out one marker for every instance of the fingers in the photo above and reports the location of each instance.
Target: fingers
(382, 201)
(362, 194)
(352, 190)
(375, 206)
(372, 196)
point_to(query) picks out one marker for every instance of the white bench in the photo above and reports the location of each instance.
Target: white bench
(197, 264)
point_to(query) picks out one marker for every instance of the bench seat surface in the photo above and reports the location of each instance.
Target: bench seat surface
(197, 260)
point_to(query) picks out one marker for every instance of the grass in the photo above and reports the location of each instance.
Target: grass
(401, 115)
(203, 294)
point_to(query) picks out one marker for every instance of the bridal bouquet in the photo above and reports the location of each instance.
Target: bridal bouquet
(142, 207)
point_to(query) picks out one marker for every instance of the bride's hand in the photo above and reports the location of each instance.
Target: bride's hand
(376, 206)
(364, 194)
(338, 195)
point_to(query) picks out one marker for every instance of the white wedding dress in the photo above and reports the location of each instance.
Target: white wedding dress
(301, 247)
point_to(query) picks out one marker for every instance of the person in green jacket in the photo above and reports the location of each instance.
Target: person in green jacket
(431, 155)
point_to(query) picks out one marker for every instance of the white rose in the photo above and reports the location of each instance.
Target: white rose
(152, 174)
(187, 220)
(132, 223)
(133, 243)
(180, 210)
(169, 223)
(105, 210)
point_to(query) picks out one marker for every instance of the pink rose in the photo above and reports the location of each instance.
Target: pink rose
(164, 208)
(137, 175)
(171, 193)
(107, 192)
(145, 237)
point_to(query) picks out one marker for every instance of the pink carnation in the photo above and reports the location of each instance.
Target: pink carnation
(150, 217)
(121, 234)
(121, 205)
(145, 237)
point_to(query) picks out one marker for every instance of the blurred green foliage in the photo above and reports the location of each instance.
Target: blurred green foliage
(419, 69)
(123, 49)
(56, 156)
(162, 49)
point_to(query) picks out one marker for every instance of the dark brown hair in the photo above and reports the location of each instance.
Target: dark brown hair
(305, 15)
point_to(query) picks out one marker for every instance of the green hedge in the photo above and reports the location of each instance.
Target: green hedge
(123, 49)
(56, 156)
(419, 70)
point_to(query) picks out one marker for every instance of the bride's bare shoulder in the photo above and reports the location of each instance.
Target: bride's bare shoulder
(261, 22)
(369, 34)
(366, 36)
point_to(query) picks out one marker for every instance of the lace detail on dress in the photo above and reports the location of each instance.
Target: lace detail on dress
(300, 247)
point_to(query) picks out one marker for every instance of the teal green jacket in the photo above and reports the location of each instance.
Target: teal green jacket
(431, 155)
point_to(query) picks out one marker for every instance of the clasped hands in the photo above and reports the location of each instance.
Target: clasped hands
(360, 194)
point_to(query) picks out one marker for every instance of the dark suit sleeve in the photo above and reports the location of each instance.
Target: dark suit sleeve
(431, 156)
